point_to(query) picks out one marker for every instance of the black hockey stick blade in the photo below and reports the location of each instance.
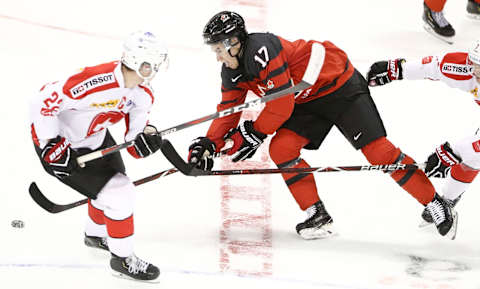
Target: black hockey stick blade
(173, 157)
(46, 204)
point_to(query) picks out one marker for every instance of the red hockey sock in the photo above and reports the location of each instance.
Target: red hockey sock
(119, 228)
(416, 183)
(95, 214)
(285, 152)
(436, 5)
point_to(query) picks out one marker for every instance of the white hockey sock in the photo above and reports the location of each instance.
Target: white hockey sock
(453, 188)
(96, 230)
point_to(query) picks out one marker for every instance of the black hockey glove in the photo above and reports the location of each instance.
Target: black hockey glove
(200, 153)
(246, 141)
(59, 159)
(383, 72)
(148, 141)
(440, 162)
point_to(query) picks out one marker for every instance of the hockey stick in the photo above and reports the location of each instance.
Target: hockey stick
(53, 208)
(310, 76)
(100, 153)
(172, 155)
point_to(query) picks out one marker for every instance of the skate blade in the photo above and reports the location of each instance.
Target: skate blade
(453, 230)
(424, 224)
(449, 40)
(126, 277)
(323, 232)
(473, 16)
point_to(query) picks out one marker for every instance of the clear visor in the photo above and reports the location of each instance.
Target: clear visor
(223, 47)
(476, 69)
(147, 70)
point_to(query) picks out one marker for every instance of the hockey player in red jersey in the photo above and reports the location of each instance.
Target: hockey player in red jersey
(265, 63)
(458, 162)
(69, 118)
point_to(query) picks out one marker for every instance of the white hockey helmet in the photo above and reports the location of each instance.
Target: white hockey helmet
(474, 52)
(144, 53)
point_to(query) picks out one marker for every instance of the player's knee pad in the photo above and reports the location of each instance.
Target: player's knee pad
(117, 198)
(469, 150)
(285, 146)
(381, 151)
(95, 214)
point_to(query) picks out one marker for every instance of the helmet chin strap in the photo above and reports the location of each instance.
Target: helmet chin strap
(238, 55)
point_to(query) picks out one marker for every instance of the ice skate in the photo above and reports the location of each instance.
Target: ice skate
(444, 216)
(436, 24)
(96, 242)
(427, 218)
(318, 224)
(134, 268)
(473, 10)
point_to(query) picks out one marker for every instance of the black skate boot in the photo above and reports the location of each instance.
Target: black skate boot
(134, 268)
(444, 216)
(473, 9)
(96, 242)
(427, 218)
(436, 24)
(318, 223)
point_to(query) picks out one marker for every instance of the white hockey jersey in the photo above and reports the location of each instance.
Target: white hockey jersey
(454, 69)
(82, 106)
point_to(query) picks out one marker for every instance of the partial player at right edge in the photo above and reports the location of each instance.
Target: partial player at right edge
(458, 162)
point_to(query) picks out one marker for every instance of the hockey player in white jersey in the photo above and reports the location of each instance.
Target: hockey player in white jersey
(70, 117)
(458, 162)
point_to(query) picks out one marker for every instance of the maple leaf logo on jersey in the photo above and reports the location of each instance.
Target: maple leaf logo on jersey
(270, 84)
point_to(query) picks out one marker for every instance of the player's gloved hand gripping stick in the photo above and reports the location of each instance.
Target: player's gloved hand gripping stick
(310, 76)
(312, 72)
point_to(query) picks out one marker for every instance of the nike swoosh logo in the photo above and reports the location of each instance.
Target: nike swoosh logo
(236, 78)
(357, 136)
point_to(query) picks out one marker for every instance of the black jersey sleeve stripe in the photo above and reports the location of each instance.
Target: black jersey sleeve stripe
(229, 101)
(332, 83)
(276, 72)
(285, 86)
(231, 88)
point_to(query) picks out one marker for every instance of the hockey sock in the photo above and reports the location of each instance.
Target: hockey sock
(285, 152)
(120, 236)
(435, 5)
(415, 182)
(95, 225)
(458, 180)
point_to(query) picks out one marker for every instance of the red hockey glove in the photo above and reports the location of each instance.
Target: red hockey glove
(246, 141)
(383, 72)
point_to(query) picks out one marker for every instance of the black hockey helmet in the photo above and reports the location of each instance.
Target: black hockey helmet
(224, 25)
